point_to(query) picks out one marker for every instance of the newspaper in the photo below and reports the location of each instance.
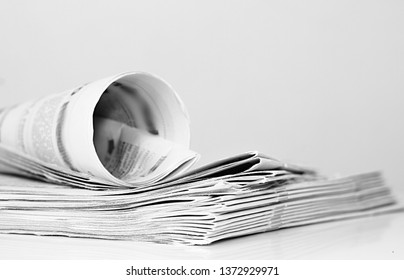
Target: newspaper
(198, 213)
(129, 129)
(111, 159)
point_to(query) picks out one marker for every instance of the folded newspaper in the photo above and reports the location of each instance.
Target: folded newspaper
(110, 159)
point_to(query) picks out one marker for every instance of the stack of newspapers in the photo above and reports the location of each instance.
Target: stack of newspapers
(111, 159)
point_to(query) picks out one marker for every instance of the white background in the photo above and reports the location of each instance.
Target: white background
(318, 83)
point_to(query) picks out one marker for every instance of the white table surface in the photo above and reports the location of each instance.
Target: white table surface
(379, 237)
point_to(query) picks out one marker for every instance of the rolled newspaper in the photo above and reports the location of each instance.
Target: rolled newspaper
(130, 128)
